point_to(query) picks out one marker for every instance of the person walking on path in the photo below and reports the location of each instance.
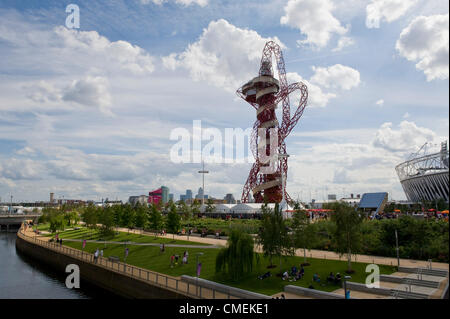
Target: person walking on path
(96, 255)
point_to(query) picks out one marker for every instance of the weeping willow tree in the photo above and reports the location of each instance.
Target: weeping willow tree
(237, 258)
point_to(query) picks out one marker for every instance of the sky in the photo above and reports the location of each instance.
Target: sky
(88, 112)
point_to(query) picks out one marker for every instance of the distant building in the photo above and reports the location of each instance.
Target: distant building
(71, 202)
(201, 194)
(159, 195)
(425, 176)
(331, 196)
(373, 202)
(229, 199)
(142, 199)
(186, 197)
(171, 197)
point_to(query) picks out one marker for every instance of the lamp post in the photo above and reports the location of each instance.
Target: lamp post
(198, 273)
(283, 204)
(396, 244)
(345, 285)
(203, 172)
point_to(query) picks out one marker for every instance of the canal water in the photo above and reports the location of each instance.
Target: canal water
(25, 278)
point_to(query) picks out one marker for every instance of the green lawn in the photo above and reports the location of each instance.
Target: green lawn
(150, 258)
(84, 233)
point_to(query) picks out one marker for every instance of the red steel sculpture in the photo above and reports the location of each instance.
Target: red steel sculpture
(264, 92)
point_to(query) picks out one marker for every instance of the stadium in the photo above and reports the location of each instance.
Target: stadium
(425, 177)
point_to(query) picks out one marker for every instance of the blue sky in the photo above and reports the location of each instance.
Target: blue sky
(87, 113)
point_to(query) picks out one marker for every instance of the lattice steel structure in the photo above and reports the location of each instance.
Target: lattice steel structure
(264, 92)
(426, 177)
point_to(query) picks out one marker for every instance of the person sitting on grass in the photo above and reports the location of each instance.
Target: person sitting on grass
(298, 276)
(266, 275)
(294, 271)
(316, 277)
(331, 277)
(285, 275)
(338, 278)
(302, 271)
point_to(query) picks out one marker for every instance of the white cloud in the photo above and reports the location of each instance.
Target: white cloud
(336, 76)
(224, 55)
(342, 43)
(426, 41)
(26, 151)
(120, 53)
(316, 97)
(406, 115)
(201, 3)
(43, 92)
(341, 176)
(90, 91)
(314, 19)
(18, 169)
(407, 138)
(380, 102)
(387, 10)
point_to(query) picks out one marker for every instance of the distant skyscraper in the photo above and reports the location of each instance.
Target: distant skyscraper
(201, 194)
(171, 197)
(188, 194)
(229, 199)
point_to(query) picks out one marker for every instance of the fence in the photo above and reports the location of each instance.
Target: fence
(153, 278)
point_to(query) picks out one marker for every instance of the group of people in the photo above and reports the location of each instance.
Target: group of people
(295, 274)
(334, 279)
(174, 259)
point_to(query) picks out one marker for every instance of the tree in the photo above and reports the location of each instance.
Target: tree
(195, 207)
(346, 232)
(106, 219)
(237, 258)
(71, 217)
(90, 216)
(210, 207)
(303, 235)
(128, 217)
(173, 220)
(155, 219)
(117, 215)
(273, 234)
(141, 215)
(184, 209)
(56, 222)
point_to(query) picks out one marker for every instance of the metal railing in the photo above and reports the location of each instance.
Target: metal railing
(148, 276)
